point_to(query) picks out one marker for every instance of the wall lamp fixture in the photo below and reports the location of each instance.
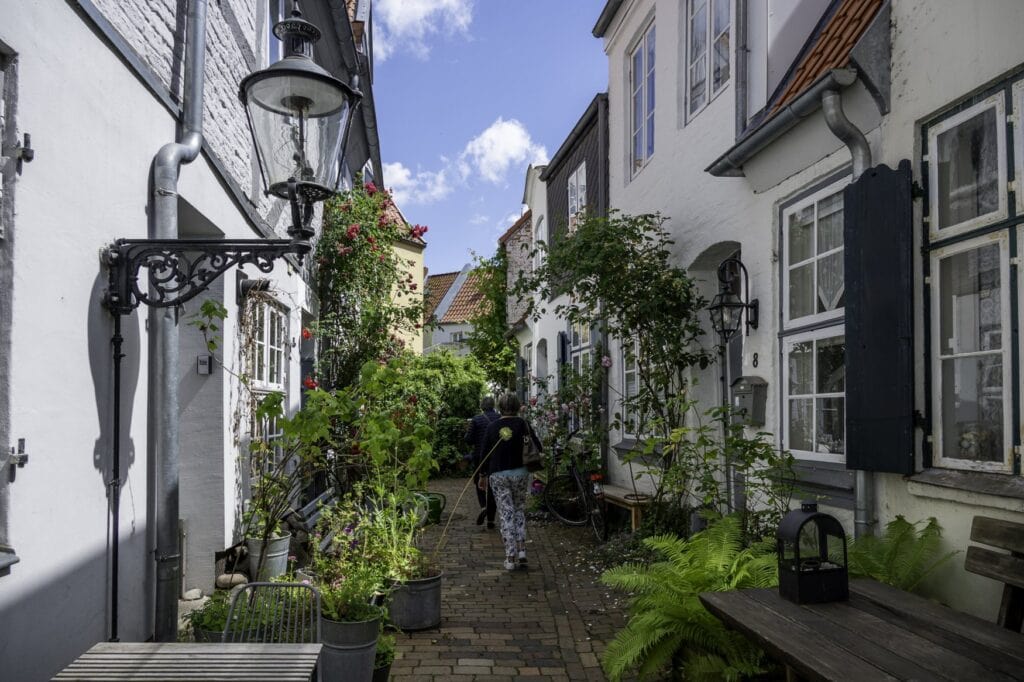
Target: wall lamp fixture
(727, 308)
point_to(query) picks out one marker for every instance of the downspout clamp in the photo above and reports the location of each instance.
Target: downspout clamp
(163, 363)
(853, 138)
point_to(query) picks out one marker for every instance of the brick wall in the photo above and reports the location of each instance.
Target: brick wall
(518, 243)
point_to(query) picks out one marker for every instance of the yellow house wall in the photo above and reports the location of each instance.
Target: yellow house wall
(412, 258)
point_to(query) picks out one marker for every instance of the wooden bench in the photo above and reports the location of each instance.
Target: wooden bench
(1006, 568)
(626, 499)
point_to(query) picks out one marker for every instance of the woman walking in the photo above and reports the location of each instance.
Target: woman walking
(508, 478)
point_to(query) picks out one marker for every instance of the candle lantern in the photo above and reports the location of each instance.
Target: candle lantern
(811, 549)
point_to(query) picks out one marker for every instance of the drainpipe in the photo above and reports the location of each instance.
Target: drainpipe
(163, 362)
(742, 66)
(841, 127)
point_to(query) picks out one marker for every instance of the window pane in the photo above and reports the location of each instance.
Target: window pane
(638, 110)
(638, 150)
(972, 408)
(572, 194)
(968, 170)
(721, 17)
(801, 424)
(831, 362)
(720, 62)
(801, 237)
(830, 435)
(698, 30)
(638, 69)
(581, 185)
(801, 291)
(830, 223)
(698, 82)
(650, 135)
(650, 93)
(650, 49)
(970, 306)
(801, 368)
(831, 288)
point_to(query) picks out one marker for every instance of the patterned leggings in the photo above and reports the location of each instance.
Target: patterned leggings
(509, 490)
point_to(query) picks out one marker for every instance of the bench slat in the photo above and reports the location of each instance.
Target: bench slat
(1003, 567)
(998, 533)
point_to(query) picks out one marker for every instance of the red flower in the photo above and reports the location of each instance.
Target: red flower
(371, 239)
(310, 383)
(344, 250)
(382, 258)
(371, 188)
(306, 334)
(413, 286)
(596, 477)
(533, 402)
(413, 399)
(353, 231)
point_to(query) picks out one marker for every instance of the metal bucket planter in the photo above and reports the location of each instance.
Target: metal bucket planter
(435, 503)
(276, 561)
(416, 604)
(349, 650)
(382, 674)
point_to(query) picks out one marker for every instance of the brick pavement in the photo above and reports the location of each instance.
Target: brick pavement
(548, 623)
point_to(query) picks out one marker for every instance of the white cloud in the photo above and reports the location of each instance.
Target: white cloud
(478, 219)
(505, 143)
(502, 225)
(407, 24)
(421, 187)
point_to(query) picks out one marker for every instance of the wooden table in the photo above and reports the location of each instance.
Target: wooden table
(180, 661)
(881, 633)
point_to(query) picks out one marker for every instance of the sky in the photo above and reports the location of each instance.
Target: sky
(468, 94)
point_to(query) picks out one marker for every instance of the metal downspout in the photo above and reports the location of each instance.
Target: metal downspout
(741, 67)
(163, 363)
(841, 127)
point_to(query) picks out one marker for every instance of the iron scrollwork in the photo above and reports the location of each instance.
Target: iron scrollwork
(180, 269)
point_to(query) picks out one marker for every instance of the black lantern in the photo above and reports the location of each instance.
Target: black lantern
(727, 308)
(299, 115)
(811, 548)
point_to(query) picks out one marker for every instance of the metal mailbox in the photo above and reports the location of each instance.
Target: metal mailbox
(749, 395)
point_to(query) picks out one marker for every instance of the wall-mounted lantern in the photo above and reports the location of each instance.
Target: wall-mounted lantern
(811, 548)
(727, 308)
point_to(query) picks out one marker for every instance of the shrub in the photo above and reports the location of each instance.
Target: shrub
(903, 556)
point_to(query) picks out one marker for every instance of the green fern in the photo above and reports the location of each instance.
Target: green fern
(903, 556)
(667, 623)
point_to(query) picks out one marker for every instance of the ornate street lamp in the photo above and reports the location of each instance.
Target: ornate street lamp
(727, 308)
(299, 115)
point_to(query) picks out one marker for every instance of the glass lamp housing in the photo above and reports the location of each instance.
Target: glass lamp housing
(726, 312)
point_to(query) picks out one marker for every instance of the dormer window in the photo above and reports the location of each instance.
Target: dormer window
(577, 195)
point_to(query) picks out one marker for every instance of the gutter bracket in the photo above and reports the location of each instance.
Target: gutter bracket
(872, 57)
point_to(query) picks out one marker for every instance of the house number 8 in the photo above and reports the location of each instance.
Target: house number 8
(754, 363)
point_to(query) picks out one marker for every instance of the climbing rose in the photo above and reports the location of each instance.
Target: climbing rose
(533, 402)
(371, 188)
(306, 334)
(353, 231)
(310, 383)
(413, 286)
(606, 362)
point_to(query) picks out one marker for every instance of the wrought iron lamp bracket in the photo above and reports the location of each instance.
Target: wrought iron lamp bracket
(178, 270)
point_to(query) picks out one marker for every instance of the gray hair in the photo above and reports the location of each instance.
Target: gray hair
(508, 403)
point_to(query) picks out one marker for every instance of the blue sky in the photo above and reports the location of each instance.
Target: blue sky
(468, 94)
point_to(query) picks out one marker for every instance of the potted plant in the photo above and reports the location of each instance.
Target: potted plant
(266, 542)
(350, 621)
(384, 658)
(208, 621)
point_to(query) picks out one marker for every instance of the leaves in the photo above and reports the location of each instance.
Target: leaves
(903, 556)
(489, 341)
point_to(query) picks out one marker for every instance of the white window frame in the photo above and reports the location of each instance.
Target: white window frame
(263, 349)
(997, 102)
(1018, 152)
(624, 410)
(814, 199)
(539, 236)
(646, 83)
(710, 92)
(936, 356)
(528, 356)
(788, 343)
(577, 199)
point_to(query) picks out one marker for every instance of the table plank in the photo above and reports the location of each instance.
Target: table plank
(935, 617)
(205, 662)
(797, 645)
(882, 643)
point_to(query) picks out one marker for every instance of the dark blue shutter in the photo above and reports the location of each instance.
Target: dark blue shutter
(563, 348)
(878, 239)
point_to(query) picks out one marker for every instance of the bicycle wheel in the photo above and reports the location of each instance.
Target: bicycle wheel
(598, 520)
(564, 497)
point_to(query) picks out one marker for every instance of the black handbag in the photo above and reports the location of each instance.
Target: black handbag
(532, 456)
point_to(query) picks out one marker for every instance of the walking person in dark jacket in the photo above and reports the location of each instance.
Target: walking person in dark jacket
(475, 437)
(508, 478)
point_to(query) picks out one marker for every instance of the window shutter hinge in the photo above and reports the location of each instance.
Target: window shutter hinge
(924, 158)
(926, 219)
(1015, 261)
(927, 279)
(928, 438)
(1011, 186)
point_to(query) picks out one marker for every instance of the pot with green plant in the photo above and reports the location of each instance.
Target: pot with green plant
(350, 624)
(384, 658)
(208, 621)
(266, 542)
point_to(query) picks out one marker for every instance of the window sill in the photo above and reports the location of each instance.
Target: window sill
(999, 491)
(7, 559)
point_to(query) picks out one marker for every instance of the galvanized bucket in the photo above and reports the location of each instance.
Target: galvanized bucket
(416, 604)
(276, 561)
(349, 650)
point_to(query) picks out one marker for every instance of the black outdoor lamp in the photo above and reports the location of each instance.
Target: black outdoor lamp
(727, 308)
(299, 116)
(811, 548)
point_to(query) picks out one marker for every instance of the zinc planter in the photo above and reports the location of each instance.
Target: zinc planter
(276, 561)
(382, 674)
(416, 604)
(349, 650)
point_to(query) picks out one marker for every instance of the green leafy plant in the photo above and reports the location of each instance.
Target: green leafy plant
(668, 626)
(385, 651)
(213, 615)
(903, 556)
(489, 341)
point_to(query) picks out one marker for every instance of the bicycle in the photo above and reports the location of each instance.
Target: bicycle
(573, 499)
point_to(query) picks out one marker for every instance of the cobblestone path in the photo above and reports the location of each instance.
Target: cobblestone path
(549, 623)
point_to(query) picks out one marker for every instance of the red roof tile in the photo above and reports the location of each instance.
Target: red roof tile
(468, 302)
(435, 288)
(830, 49)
